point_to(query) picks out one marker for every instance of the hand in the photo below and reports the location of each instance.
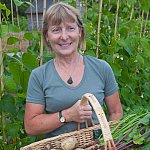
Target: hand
(79, 113)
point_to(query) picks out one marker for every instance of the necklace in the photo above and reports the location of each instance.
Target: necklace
(70, 80)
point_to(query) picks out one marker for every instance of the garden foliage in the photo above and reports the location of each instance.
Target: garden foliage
(127, 52)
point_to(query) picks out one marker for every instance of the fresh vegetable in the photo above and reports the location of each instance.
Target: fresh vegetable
(131, 131)
(69, 143)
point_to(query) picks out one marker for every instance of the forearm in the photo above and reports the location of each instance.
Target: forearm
(42, 124)
(115, 116)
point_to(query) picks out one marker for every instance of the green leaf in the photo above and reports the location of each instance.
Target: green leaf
(90, 13)
(10, 85)
(13, 129)
(125, 92)
(106, 20)
(28, 36)
(3, 7)
(3, 31)
(8, 104)
(139, 141)
(29, 3)
(18, 2)
(36, 35)
(24, 77)
(90, 53)
(117, 69)
(15, 69)
(13, 28)
(124, 31)
(146, 146)
(145, 120)
(140, 59)
(12, 40)
(129, 44)
(30, 61)
(145, 5)
(145, 46)
(13, 50)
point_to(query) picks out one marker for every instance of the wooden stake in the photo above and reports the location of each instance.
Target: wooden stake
(146, 22)
(31, 15)
(12, 13)
(141, 24)
(99, 24)
(116, 21)
(132, 10)
(20, 43)
(41, 48)
(37, 17)
(17, 16)
(2, 91)
(86, 8)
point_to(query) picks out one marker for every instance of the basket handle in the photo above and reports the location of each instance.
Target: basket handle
(108, 140)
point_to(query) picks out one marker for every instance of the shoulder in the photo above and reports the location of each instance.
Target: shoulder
(42, 70)
(100, 63)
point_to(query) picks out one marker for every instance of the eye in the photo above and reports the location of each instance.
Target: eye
(71, 28)
(56, 30)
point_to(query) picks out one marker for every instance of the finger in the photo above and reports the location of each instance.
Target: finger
(86, 107)
(87, 113)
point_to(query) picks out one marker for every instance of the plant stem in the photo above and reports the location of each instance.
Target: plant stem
(132, 141)
(99, 26)
(116, 20)
(128, 125)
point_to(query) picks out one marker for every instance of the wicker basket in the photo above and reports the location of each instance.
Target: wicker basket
(83, 136)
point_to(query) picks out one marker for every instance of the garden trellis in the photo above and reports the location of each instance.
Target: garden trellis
(116, 31)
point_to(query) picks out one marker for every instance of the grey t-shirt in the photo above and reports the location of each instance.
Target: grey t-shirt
(47, 88)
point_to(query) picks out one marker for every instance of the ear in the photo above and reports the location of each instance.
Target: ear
(46, 37)
(80, 32)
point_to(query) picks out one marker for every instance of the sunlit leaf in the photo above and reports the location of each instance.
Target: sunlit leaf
(28, 36)
(29, 60)
(12, 40)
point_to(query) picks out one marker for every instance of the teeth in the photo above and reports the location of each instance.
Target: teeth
(65, 44)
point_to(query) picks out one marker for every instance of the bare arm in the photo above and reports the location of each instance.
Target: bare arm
(114, 106)
(36, 122)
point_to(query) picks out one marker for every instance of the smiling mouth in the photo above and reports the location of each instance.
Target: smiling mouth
(65, 44)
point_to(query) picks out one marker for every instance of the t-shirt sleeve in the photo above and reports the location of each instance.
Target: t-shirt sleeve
(35, 92)
(111, 86)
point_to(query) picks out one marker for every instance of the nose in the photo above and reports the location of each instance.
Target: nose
(64, 35)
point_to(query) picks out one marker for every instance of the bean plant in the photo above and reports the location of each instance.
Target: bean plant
(126, 49)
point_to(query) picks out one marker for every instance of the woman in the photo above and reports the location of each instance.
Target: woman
(55, 88)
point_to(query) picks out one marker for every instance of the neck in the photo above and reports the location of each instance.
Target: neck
(68, 66)
(68, 61)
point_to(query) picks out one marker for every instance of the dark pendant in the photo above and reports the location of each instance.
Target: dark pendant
(70, 81)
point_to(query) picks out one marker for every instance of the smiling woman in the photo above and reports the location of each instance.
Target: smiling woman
(57, 86)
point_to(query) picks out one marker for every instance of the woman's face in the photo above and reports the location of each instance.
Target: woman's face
(64, 38)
